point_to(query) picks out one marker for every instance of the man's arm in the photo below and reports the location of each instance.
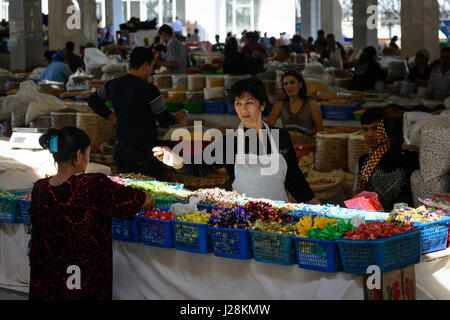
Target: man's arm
(97, 102)
(164, 117)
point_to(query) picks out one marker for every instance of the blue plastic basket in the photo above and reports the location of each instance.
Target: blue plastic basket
(273, 248)
(158, 233)
(338, 113)
(9, 208)
(389, 254)
(434, 235)
(319, 255)
(24, 206)
(215, 107)
(231, 243)
(192, 237)
(127, 230)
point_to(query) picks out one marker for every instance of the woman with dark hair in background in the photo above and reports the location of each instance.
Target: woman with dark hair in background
(71, 222)
(237, 63)
(368, 71)
(297, 110)
(255, 180)
(387, 169)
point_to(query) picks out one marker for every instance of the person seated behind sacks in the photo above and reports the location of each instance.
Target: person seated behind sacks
(251, 43)
(368, 71)
(334, 52)
(420, 72)
(237, 63)
(283, 54)
(58, 70)
(439, 82)
(296, 45)
(74, 60)
(387, 169)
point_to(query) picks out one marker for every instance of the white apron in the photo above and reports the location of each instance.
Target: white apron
(336, 59)
(261, 176)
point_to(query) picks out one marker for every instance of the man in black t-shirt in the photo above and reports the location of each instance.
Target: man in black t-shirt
(137, 106)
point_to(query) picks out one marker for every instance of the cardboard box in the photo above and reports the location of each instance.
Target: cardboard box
(395, 285)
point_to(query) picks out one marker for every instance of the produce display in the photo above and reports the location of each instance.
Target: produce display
(408, 215)
(196, 217)
(272, 227)
(377, 230)
(159, 214)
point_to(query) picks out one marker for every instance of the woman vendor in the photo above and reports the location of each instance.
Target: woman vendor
(297, 110)
(71, 222)
(387, 169)
(257, 164)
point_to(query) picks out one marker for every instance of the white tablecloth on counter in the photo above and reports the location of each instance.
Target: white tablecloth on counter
(144, 272)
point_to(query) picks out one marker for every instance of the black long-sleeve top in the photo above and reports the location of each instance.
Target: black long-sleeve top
(295, 181)
(137, 105)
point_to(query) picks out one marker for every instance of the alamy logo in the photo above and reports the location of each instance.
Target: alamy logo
(74, 280)
(372, 21)
(74, 20)
(374, 280)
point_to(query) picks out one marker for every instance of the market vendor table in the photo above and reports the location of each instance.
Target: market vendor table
(144, 272)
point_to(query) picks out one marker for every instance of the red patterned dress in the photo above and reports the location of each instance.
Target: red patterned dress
(72, 226)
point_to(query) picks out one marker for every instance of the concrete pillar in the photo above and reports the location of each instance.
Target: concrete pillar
(331, 18)
(420, 27)
(113, 12)
(61, 29)
(362, 35)
(310, 20)
(26, 34)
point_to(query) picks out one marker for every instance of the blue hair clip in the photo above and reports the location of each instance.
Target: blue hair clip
(53, 144)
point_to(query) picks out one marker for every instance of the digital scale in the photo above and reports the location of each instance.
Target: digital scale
(26, 138)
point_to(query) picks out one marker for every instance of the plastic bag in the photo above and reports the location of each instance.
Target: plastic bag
(94, 58)
(44, 105)
(18, 103)
(314, 67)
(365, 201)
(179, 209)
(414, 122)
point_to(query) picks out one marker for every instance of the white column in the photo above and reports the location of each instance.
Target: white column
(362, 35)
(310, 18)
(26, 36)
(88, 22)
(420, 27)
(113, 12)
(331, 18)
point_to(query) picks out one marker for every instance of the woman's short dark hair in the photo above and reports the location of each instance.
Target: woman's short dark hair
(253, 86)
(303, 90)
(139, 56)
(69, 141)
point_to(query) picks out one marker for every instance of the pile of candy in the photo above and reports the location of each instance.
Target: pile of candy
(6, 194)
(273, 227)
(158, 214)
(264, 211)
(231, 218)
(440, 203)
(305, 224)
(134, 176)
(25, 197)
(376, 230)
(197, 217)
(408, 215)
(218, 195)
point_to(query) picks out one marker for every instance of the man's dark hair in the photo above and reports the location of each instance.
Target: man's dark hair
(70, 46)
(321, 33)
(330, 35)
(253, 86)
(49, 54)
(166, 29)
(372, 115)
(121, 41)
(296, 39)
(310, 39)
(196, 30)
(139, 56)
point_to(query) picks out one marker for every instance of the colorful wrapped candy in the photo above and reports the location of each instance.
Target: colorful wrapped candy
(273, 227)
(6, 194)
(408, 215)
(264, 211)
(231, 218)
(196, 217)
(159, 214)
(377, 230)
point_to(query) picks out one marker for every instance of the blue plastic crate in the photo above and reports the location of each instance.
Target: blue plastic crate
(24, 206)
(389, 254)
(231, 243)
(192, 237)
(215, 107)
(127, 230)
(319, 255)
(158, 233)
(273, 248)
(338, 113)
(434, 235)
(10, 209)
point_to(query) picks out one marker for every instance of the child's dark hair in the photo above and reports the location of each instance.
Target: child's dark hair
(69, 141)
(253, 86)
(303, 90)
